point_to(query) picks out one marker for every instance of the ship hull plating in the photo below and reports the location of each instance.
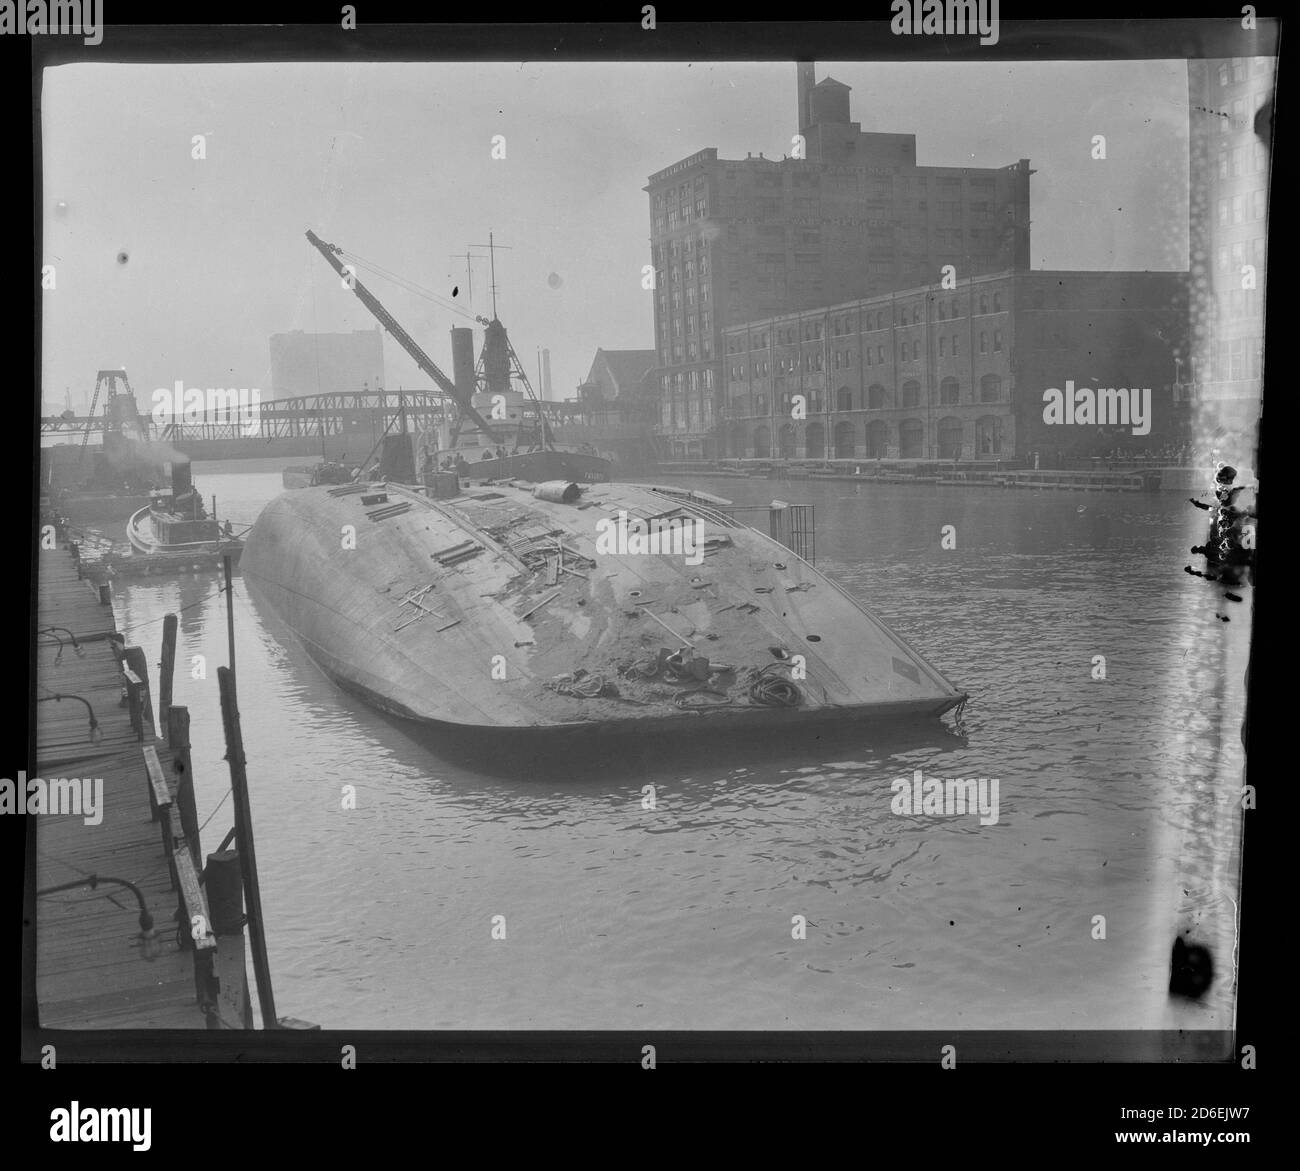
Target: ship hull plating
(498, 612)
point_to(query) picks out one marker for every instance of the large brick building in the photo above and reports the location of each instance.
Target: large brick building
(956, 373)
(1229, 110)
(848, 215)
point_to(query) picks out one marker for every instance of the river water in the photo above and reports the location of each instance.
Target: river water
(1118, 799)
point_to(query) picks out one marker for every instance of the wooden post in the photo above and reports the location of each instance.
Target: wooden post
(166, 667)
(178, 737)
(136, 661)
(244, 840)
(225, 895)
(230, 621)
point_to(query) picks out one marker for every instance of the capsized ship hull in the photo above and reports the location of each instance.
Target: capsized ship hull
(499, 611)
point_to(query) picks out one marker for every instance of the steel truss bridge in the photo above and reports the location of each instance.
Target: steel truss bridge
(314, 415)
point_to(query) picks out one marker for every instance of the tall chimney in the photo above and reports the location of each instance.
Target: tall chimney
(462, 360)
(807, 79)
(182, 480)
(546, 374)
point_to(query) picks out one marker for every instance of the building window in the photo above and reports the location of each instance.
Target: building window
(990, 388)
(916, 351)
(875, 397)
(880, 355)
(954, 345)
(988, 436)
(942, 314)
(1223, 74)
(997, 340)
(984, 304)
(949, 392)
(984, 343)
(911, 393)
(997, 302)
(916, 314)
(943, 342)
(955, 314)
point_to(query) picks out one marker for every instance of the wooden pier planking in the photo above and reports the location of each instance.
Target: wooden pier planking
(91, 973)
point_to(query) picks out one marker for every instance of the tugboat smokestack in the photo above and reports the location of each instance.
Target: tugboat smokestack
(182, 478)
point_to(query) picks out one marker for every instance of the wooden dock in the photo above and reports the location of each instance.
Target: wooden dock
(97, 968)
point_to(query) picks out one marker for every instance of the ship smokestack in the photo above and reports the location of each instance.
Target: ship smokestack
(182, 477)
(462, 360)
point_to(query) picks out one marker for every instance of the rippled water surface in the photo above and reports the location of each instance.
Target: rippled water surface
(1118, 798)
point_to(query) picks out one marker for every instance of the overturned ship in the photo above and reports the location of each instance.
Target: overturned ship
(508, 595)
(506, 607)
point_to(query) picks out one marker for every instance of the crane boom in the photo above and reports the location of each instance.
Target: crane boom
(404, 339)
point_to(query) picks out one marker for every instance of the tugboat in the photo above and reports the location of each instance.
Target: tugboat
(176, 525)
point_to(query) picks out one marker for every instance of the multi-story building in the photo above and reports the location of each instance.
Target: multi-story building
(1229, 111)
(957, 373)
(326, 363)
(848, 214)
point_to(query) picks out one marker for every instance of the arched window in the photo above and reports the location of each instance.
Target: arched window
(877, 440)
(911, 393)
(916, 314)
(844, 399)
(984, 303)
(949, 392)
(950, 437)
(997, 302)
(762, 442)
(902, 352)
(984, 342)
(815, 441)
(844, 440)
(990, 388)
(916, 350)
(785, 441)
(911, 434)
(875, 397)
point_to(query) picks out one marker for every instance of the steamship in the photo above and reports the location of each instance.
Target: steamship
(176, 524)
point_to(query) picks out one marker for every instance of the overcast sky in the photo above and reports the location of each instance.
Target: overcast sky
(393, 162)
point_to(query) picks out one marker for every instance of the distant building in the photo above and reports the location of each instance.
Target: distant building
(615, 410)
(617, 375)
(1230, 114)
(735, 240)
(936, 373)
(326, 363)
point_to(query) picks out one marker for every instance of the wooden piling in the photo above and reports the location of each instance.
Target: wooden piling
(166, 669)
(244, 841)
(223, 882)
(178, 739)
(139, 665)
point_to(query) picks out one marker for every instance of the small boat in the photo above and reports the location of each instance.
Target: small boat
(310, 475)
(176, 524)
